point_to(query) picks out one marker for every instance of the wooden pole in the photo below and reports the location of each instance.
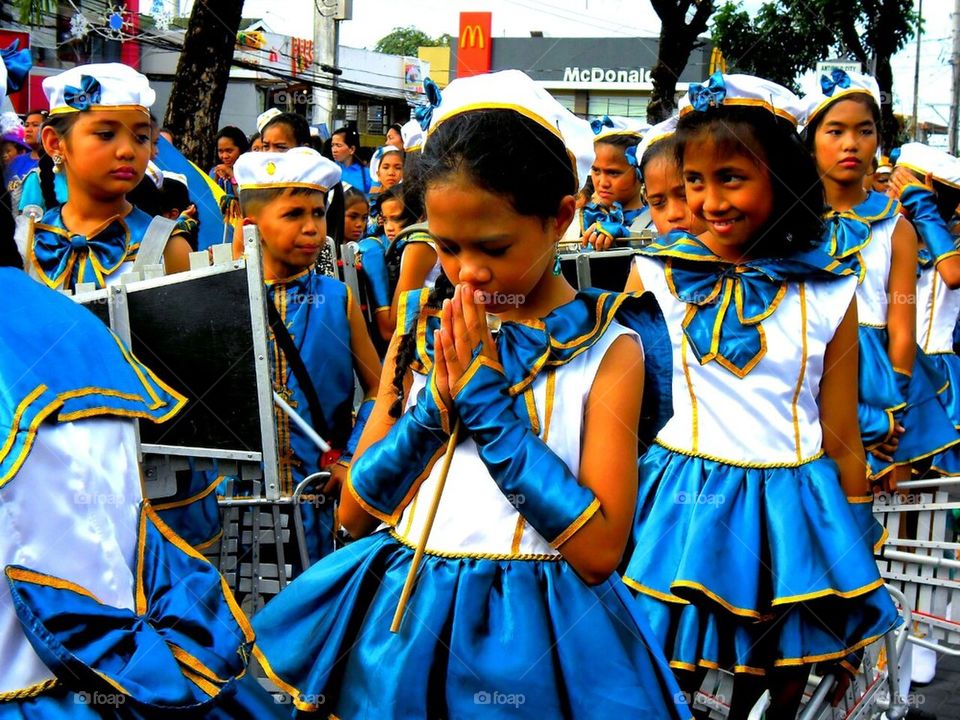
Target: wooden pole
(425, 535)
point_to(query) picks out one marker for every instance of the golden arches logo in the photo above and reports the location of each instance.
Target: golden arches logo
(472, 33)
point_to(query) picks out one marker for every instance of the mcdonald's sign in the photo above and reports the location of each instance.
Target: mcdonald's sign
(474, 48)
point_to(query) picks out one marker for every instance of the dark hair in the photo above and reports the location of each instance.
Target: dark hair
(666, 146)
(335, 214)
(174, 195)
(796, 222)
(38, 111)
(253, 138)
(948, 197)
(865, 99)
(352, 196)
(350, 136)
(504, 153)
(9, 254)
(146, 197)
(62, 124)
(235, 135)
(298, 125)
(395, 127)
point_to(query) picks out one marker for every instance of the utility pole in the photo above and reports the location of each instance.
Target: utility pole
(916, 75)
(955, 92)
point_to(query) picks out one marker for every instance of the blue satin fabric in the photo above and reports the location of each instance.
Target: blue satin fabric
(244, 699)
(525, 349)
(66, 258)
(847, 233)
(880, 394)
(929, 429)
(742, 567)
(372, 251)
(18, 63)
(363, 414)
(185, 624)
(919, 202)
(476, 634)
(948, 367)
(729, 302)
(192, 512)
(611, 221)
(518, 460)
(100, 377)
(384, 477)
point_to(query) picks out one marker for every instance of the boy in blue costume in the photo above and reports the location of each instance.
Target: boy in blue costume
(285, 195)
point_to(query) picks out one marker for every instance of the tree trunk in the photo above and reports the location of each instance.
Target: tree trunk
(202, 75)
(677, 41)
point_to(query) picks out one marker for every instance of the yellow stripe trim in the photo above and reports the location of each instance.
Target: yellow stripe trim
(738, 463)
(803, 369)
(456, 555)
(581, 520)
(30, 691)
(733, 609)
(665, 597)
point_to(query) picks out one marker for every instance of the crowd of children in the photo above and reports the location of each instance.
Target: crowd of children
(600, 495)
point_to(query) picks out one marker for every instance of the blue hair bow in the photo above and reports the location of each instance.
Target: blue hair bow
(703, 96)
(424, 113)
(837, 78)
(598, 124)
(85, 96)
(631, 154)
(18, 64)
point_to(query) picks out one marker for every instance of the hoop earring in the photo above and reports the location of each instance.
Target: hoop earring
(57, 163)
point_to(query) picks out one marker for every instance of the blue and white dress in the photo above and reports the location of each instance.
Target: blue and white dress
(746, 554)
(498, 618)
(61, 258)
(104, 612)
(888, 395)
(938, 310)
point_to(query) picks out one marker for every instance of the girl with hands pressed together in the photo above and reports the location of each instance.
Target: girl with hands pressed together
(548, 392)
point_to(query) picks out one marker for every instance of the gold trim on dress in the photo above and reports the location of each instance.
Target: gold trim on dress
(281, 683)
(31, 691)
(665, 597)
(581, 520)
(456, 555)
(845, 594)
(803, 368)
(730, 608)
(738, 463)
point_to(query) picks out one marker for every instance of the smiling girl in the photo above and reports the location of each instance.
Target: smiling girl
(517, 601)
(749, 545)
(99, 136)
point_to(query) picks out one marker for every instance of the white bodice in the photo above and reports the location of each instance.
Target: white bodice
(873, 292)
(771, 416)
(938, 308)
(474, 516)
(71, 511)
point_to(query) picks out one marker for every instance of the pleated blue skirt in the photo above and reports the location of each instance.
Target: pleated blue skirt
(748, 569)
(480, 638)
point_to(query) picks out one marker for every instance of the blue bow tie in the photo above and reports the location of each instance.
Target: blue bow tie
(18, 64)
(65, 258)
(83, 97)
(610, 221)
(836, 79)
(703, 96)
(730, 301)
(598, 124)
(424, 113)
(847, 233)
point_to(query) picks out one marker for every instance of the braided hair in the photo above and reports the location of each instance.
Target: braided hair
(502, 152)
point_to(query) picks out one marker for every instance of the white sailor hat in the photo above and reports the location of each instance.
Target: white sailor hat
(412, 135)
(660, 131)
(105, 86)
(514, 90)
(300, 167)
(380, 153)
(265, 117)
(154, 173)
(925, 160)
(614, 125)
(178, 177)
(744, 90)
(834, 86)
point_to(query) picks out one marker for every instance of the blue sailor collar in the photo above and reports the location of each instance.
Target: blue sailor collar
(59, 363)
(848, 232)
(528, 347)
(60, 254)
(727, 303)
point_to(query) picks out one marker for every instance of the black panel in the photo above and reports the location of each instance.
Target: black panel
(197, 337)
(609, 272)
